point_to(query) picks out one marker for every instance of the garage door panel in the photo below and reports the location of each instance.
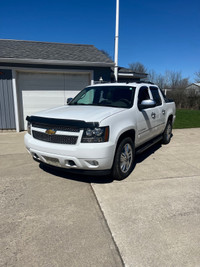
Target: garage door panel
(74, 83)
(46, 100)
(45, 81)
(40, 91)
(70, 94)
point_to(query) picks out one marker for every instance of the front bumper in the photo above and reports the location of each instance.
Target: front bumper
(96, 156)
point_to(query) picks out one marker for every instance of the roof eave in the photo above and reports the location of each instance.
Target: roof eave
(56, 62)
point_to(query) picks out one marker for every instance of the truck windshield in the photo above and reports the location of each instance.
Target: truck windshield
(112, 96)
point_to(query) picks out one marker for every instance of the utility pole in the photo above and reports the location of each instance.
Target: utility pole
(116, 41)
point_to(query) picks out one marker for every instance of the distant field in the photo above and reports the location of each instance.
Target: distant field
(187, 119)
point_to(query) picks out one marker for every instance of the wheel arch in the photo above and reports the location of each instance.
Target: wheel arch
(129, 133)
(170, 118)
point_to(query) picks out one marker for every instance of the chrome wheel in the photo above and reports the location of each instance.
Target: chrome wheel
(126, 158)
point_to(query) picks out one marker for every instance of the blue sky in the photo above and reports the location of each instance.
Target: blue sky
(163, 35)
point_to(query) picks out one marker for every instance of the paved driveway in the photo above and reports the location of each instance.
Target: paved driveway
(152, 218)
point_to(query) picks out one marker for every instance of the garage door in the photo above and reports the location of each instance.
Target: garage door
(40, 91)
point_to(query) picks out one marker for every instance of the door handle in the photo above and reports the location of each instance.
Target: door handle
(163, 112)
(153, 115)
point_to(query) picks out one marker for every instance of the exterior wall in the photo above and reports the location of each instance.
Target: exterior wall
(104, 72)
(7, 114)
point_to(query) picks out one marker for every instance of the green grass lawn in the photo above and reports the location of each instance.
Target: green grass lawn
(186, 118)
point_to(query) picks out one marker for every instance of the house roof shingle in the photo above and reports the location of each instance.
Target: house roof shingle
(44, 51)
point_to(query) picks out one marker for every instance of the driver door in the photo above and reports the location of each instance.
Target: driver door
(145, 118)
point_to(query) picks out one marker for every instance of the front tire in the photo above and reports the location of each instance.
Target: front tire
(124, 159)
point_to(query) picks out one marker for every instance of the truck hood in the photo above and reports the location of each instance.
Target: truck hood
(85, 113)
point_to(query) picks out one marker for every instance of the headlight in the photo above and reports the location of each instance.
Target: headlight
(29, 127)
(96, 135)
(89, 132)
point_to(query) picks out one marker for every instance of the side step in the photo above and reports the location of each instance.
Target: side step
(150, 143)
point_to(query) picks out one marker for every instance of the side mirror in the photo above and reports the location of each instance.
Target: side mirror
(149, 103)
(69, 100)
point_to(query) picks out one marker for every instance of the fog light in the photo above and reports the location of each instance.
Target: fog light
(70, 163)
(35, 156)
(93, 162)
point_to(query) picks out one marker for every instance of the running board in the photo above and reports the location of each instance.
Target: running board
(152, 142)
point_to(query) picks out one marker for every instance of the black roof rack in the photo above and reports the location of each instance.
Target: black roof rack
(145, 82)
(141, 82)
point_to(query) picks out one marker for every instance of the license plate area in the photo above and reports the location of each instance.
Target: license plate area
(52, 161)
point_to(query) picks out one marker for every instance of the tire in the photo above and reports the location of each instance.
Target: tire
(124, 159)
(167, 133)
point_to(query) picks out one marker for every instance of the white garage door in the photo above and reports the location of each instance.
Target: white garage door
(40, 91)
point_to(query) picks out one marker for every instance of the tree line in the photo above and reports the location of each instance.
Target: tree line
(173, 80)
(168, 80)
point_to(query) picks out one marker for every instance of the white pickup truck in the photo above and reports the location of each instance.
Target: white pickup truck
(102, 128)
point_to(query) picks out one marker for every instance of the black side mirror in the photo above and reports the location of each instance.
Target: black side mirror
(149, 103)
(69, 100)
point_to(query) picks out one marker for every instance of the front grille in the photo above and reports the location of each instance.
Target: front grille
(56, 127)
(57, 139)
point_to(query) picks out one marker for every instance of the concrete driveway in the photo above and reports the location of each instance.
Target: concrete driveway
(52, 218)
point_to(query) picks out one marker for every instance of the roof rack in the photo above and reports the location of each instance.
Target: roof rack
(141, 82)
(145, 82)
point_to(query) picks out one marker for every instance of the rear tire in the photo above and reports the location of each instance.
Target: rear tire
(167, 133)
(124, 159)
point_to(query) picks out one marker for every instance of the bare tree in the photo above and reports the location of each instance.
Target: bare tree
(169, 80)
(197, 78)
(174, 80)
(138, 67)
(152, 76)
(158, 79)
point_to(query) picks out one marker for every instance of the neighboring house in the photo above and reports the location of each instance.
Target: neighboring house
(38, 75)
(194, 87)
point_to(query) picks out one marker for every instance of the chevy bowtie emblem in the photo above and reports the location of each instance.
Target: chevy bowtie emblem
(50, 131)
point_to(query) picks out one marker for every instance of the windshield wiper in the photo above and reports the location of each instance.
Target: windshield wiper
(82, 104)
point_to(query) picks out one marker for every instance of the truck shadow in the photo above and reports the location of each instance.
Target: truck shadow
(70, 175)
(66, 174)
(141, 157)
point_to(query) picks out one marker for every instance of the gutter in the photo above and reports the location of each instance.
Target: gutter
(56, 62)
